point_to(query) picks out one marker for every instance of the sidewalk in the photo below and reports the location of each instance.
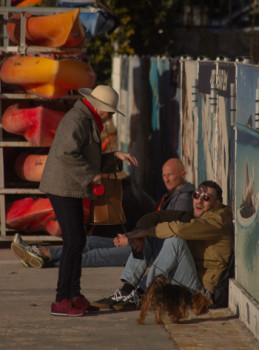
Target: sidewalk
(25, 322)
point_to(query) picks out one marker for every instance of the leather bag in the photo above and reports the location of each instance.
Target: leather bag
(107, 209)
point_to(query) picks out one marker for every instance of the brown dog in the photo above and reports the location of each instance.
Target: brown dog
(174, 300)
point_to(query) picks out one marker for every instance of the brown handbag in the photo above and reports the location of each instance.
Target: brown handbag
(107, 209)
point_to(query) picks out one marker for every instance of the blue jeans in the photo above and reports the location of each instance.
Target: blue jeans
(170, 256)
(97, 252)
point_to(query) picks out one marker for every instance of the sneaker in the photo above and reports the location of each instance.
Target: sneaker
(82, 303)
(65, 308)
(30, 254)
(129, 302)
(107, 303)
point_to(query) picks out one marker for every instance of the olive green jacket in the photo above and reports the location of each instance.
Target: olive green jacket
(209, 237)
(75, 156)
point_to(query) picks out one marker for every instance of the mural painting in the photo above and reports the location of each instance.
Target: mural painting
(247, 183)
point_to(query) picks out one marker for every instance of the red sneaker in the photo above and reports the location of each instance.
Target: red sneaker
(65, 308)
(83, 304)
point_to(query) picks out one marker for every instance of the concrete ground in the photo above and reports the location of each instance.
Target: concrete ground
(25, 321)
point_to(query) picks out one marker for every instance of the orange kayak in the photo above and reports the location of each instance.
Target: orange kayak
(38, 125)
(30, 166)
(60, 30)
(47, 77)
(29, 3)
(33, 215)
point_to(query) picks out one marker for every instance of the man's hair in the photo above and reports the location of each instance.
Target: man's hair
(214, 185)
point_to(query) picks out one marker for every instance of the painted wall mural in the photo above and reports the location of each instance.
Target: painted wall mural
(164, 121)
(189, 121)
(247, 182)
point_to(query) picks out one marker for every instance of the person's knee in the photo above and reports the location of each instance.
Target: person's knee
(176, 242)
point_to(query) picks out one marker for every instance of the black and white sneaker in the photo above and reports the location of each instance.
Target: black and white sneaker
(129, 302)
(107, 303)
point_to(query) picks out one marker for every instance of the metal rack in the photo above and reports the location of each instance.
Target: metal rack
(7, 48)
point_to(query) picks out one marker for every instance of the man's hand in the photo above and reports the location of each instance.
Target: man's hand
(121, 240)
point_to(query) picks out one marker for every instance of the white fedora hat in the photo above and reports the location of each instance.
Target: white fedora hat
(102, 97)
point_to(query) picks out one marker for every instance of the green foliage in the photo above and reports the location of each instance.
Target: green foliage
(146, 28)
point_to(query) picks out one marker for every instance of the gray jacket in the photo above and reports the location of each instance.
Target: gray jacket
(180, 199)
(75, 156)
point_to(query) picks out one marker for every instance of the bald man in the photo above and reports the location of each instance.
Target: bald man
(178, 198)
(179, 195)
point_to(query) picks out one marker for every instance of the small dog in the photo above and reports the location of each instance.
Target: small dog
(174, 300)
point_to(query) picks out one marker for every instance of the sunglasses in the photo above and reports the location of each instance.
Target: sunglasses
(204, 196)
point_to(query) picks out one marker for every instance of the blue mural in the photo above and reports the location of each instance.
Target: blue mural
(247, 206)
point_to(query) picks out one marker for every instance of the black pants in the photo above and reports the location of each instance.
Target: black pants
(70, 215)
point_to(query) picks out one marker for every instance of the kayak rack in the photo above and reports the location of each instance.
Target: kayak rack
(7, 47)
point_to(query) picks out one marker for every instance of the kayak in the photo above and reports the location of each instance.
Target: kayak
(30, 214)
(29, 3)
(36, 214)
(30, 166)
(47, 77)
(38, 125)
(59, 30)
(96, 21)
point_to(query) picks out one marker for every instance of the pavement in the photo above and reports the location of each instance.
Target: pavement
(25, 321)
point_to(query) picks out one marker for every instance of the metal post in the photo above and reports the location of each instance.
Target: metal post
(194, 92)
(257, 109)
(233, 104)
(213, 98)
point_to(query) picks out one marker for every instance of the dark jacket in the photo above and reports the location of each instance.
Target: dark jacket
(75, 156)
(180, 199)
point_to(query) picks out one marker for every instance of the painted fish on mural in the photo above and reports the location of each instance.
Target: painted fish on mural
(248, 210)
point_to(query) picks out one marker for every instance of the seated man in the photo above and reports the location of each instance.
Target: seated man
(192, 248)
(104, 251)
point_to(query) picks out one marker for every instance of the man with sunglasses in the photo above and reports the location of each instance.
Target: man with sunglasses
(191, 247)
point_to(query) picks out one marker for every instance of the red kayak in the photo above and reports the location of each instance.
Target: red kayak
(33, 215)
(38, 125)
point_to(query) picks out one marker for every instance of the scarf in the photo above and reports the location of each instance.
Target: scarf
(97, 119)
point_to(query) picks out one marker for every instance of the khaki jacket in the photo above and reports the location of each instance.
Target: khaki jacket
(209, 237)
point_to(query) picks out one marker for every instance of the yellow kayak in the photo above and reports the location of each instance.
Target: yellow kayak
(60, 30)
(47, 77)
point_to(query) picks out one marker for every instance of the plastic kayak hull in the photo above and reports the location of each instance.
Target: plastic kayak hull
(33, 215)
(59, 30)
(38, 125)
(30, 166)
(27, 3)
(47, 77)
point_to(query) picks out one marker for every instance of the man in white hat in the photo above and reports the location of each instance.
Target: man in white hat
(74, 163)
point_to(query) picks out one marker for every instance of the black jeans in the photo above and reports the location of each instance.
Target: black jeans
(70, 215)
